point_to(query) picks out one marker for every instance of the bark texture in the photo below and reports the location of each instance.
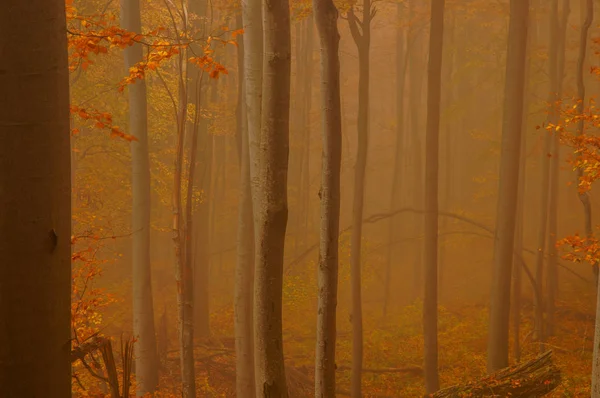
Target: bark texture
(326, 16)
(272, 213)
(35, 198)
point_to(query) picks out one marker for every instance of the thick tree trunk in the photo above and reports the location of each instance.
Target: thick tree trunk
(430, 298)
(146, 356)
(272, 212)
(362, 39)
(508, 187)
(326, 16)
(35, 198)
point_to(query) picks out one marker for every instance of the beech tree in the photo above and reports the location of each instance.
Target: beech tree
(430, 301)
(146, 355)
(361, 33)
(326, 17)
(35, 198)
(508, 185)
(271, 214)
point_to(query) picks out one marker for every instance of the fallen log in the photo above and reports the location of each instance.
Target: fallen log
(534, 378)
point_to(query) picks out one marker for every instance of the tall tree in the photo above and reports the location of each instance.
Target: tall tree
(361, 33)
(146, 356)
(401, 66)
(272, 212)
(585, 200)
(545, 178)
(584, 197)
(326, 17)
(35, 198)
(430, 298)
(244, 269)
(199, 255)
(182, 231)
(552, 278)
(508, 185)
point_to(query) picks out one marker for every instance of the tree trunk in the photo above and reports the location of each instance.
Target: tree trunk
(585, 200)
(199, 254)
(517, 272)
(416, 78)
(552, 278)
(508, 186)
(401, 64)
(146, 356)
(35, 198)
(272, 211)
(584, 197)
(362, 39)
(244, 271)
(253, 69)
(181, 236)
(326, 16)
(430, 298)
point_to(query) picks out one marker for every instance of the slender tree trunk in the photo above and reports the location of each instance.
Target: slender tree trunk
(244, 271)
(401, 64)
(517, 281)
(587, 210)
(448, 172)
(146, 356)
(199, 254)
(584, 197)
(184, 272)
(35, 198)
(430, 298)
(508, 187)
(416, 78)
(272, 214)
(326, 16)
(252, 94)
(362, 39)
(545, 162)
(552, 278)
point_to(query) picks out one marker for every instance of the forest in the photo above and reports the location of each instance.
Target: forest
(296, 198)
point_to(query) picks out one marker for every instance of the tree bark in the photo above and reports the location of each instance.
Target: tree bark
(552, 278)
(272, 214)
(146, 355)
(585, 200)
(35, 198)
(326, 16)
(362, 39)
(244, 271)
(401, 66)
(181, 240)
(508, 186)
(430, 247)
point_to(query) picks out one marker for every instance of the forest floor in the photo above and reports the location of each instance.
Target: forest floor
(393, 351)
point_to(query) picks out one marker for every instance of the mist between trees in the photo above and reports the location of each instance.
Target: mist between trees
(291, 198)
